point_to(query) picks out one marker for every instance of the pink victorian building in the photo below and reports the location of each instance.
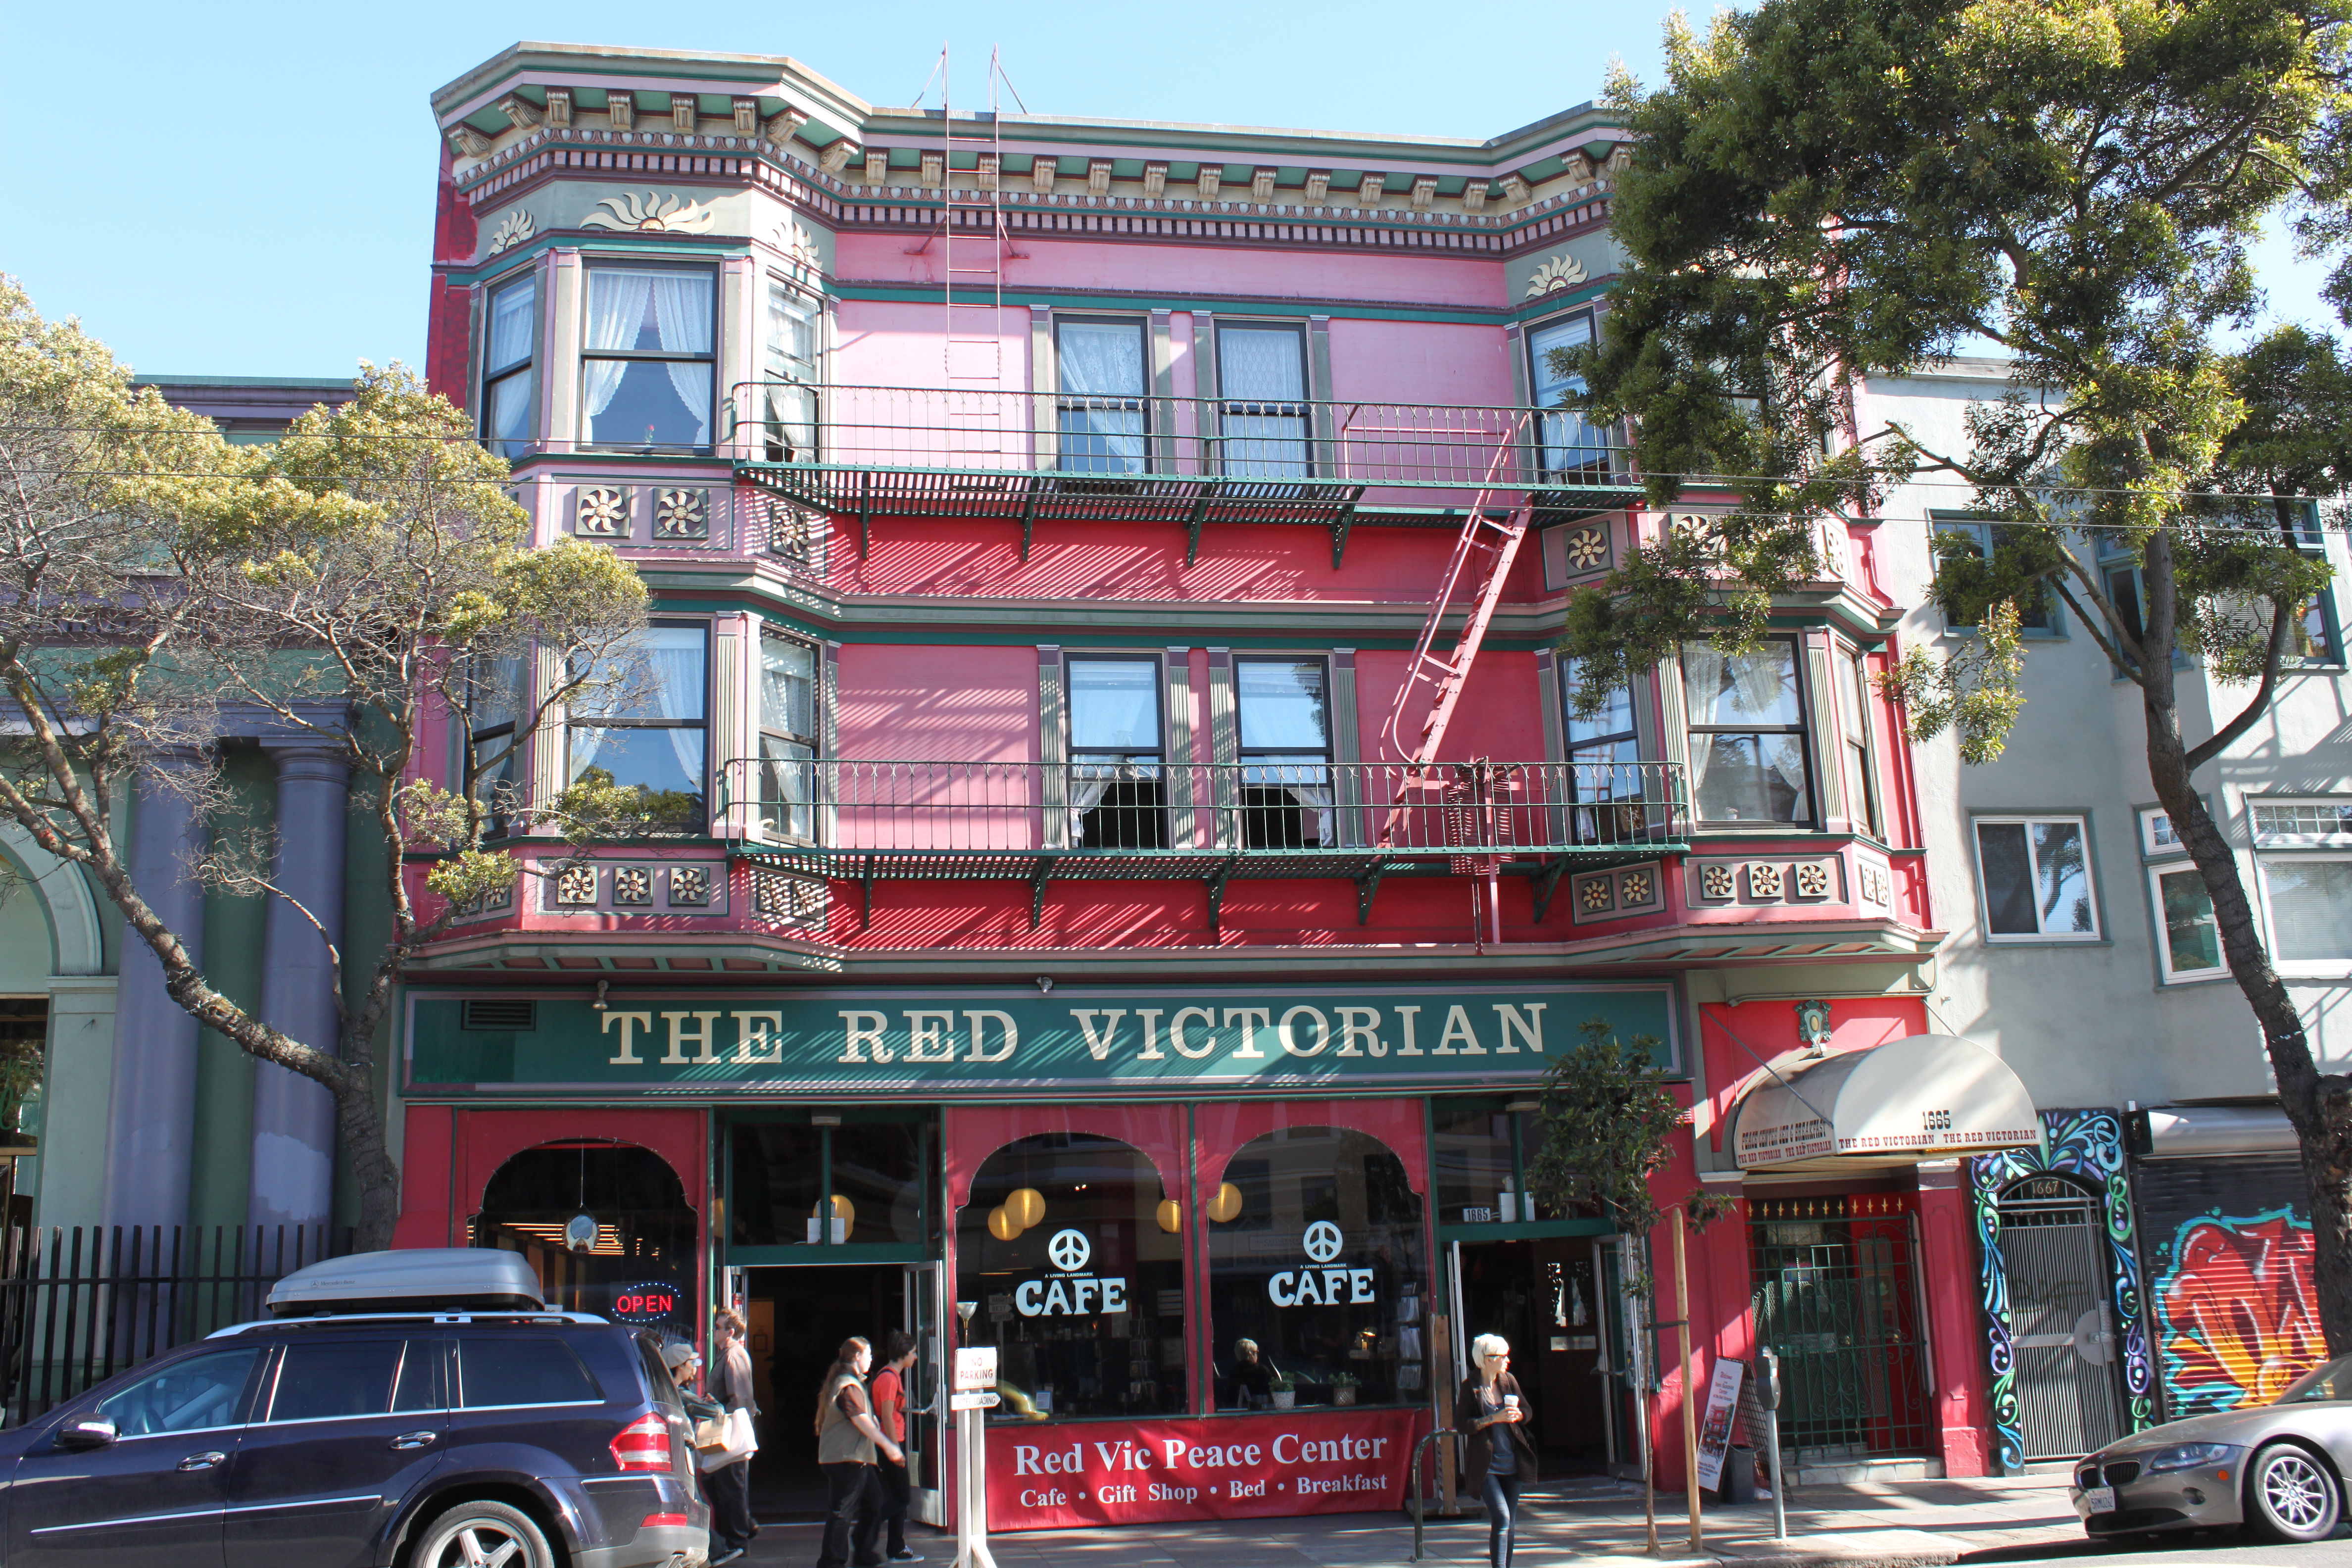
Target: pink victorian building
(1143, 859)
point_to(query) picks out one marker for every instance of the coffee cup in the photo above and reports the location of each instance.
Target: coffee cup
(1510, 1402)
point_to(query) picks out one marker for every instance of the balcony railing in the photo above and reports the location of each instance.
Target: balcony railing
(1143, 811)
(886, 450)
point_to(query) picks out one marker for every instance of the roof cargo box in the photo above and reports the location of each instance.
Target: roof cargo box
(417, 1279)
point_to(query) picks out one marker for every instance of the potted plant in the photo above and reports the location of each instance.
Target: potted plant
(1343, 1388)
(1285, 1392)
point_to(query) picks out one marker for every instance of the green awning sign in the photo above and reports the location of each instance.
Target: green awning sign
(763, 1041)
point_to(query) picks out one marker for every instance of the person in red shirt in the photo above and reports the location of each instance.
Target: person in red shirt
(890, 1394)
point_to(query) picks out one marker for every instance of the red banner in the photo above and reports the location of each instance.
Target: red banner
(1266, 1464)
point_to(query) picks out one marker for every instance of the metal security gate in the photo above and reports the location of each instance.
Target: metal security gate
(2054, 1248)
(1836, 1294)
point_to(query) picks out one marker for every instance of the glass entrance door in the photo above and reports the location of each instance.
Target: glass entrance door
(927, 1380)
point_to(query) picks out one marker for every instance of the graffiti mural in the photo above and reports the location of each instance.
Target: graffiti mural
(2235, 1315)
(2088, 1145)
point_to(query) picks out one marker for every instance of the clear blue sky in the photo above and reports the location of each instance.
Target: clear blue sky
(247, 189)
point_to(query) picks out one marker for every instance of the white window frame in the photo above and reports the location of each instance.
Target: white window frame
(2171, 976)
(2275, 841)
(1984, 894)
(493, 376)
(2305, 968)
(2149, 844)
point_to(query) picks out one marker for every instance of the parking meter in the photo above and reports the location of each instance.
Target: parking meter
(1767, 1396)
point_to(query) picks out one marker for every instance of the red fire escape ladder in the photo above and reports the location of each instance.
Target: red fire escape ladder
(1488, 543)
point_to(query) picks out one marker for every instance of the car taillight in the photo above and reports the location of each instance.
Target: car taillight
(653, 1520)
(643, 1444)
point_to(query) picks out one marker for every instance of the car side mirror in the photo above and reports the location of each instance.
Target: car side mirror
(90, 1432)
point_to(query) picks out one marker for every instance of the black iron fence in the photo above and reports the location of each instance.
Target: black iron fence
(1836, 1292)
(79, 1304)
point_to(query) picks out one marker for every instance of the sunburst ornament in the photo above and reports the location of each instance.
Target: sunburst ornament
(1588, 549)
(1561, 271)
(513, 230)
(652, 213)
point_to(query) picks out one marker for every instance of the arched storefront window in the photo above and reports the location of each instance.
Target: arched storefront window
(641, 1267)
(1073, 1254)
(1319, 1264)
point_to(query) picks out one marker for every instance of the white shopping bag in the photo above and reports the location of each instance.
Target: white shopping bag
(742, 1443)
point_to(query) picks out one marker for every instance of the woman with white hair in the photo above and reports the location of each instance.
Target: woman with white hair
(1502, 1461)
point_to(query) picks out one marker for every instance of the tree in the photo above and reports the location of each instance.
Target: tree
(1610, 1124)
(1830, 189)
(362, 582)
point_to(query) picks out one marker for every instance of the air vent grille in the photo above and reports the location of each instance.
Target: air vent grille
(498, 1013)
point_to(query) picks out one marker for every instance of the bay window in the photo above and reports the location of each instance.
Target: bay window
(788, 738)
(1100, 406)
(509, 370)
(1262, 409)
(1117, 795)
(494, 697)
(1851, 671)
(645, 727)
(646, 370)
(1602, 752)
(1284, 719)
(789, 428)
(1748, 740)
(1568, 445)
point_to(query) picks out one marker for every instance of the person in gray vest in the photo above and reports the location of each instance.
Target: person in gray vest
(847, 1439)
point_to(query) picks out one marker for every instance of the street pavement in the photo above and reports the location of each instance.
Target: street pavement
(1597, 1523)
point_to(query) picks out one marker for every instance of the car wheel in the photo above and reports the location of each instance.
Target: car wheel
(483, 1535)
(2292, 1494)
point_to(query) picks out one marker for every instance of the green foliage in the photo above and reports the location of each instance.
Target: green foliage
(595, 807)
(1829, 189)
(1975, 691)
(1610, 1124)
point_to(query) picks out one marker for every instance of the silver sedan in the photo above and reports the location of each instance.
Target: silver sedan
(2279, 1466)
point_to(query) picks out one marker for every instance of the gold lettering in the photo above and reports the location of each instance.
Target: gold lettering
(1405, 1016)
(1099, 1041)
(759, 1037)
(927, 1035)
(706, 1048)
(1529, 1028)
(861, 1030)
(1361, 1023)
(1176, 1031)
(1252, 1020)
(1004, 1021)
(630, 1024)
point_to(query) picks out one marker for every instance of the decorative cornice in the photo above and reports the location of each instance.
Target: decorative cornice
(550, 152)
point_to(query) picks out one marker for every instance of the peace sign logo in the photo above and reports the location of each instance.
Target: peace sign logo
(1069, 1249)
(1323, 1241)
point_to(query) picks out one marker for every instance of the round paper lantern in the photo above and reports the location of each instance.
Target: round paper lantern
(1226, 1204)
(1002, 1226)
(1171, 1216)
(1027, 1205)
(844, 1212)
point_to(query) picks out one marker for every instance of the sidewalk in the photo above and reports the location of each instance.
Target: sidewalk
(1883, 1525)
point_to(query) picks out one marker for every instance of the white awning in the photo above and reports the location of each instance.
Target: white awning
(1925, 1097)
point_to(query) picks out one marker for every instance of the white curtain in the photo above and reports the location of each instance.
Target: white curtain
(616, 308)
(511, 322)
(1101, 361)
(1758, 688)
(677, 660)
(682, 318)
(1254, 365)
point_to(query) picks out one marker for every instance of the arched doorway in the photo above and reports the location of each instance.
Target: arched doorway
(641, 1268)
(2061, 1321)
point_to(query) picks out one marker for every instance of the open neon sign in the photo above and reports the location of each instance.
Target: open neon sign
(646, 1303)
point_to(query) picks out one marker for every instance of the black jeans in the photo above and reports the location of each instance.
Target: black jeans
(896, 1485)
(852, 1517)
(1501, 1496)
(729, 1490)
